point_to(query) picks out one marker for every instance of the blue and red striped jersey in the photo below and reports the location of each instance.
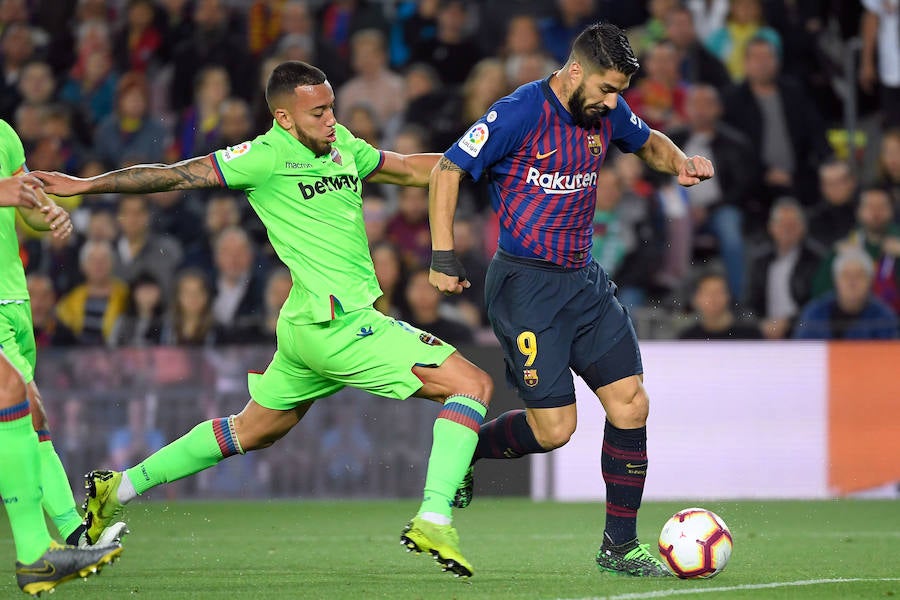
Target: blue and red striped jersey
(543, 170)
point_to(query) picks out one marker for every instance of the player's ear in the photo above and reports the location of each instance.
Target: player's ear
(283, 118)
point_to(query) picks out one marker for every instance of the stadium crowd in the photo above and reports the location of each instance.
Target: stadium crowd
(798, 235)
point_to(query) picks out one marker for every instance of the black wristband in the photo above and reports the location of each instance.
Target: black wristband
(445, 261)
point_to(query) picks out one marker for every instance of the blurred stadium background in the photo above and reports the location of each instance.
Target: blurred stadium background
(796, 101)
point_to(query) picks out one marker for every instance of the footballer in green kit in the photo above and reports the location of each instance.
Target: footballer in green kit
(304, 179)
(32, 479)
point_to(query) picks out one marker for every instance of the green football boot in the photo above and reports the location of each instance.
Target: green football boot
(466, 490)
(101, 507)
(63, 563)
(630, 558)
(441, 541)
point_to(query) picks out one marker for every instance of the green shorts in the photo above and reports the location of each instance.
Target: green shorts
(17, 337)
(363, 349)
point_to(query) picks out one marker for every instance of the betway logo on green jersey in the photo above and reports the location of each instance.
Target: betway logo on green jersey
(329, 184)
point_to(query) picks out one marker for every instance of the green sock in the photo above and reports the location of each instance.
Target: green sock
(58, 501)
(20, 483)
(455, 436)
(202, 447)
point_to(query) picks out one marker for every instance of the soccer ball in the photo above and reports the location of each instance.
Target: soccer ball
(695, 543)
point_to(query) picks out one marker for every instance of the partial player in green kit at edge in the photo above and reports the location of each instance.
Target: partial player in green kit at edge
(304, 179)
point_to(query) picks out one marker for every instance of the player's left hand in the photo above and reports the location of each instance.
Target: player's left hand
(60, 222)
(694, 170)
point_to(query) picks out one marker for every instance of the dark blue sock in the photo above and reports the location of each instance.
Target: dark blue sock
(507, 436)
(624, 464)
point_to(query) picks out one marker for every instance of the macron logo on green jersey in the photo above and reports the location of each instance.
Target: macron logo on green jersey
(329, 184)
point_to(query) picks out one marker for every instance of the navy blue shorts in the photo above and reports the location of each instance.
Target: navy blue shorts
(550, 319)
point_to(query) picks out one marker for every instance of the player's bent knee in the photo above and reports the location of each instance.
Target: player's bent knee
(629, 411)
(554, 437)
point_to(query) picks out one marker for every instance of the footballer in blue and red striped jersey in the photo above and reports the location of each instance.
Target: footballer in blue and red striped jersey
(543, 170)
(551, 305)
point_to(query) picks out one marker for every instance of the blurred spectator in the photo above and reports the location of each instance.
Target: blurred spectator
(408, 229)
(879, 236)
(414, 22)
(36, 85)
(91, 309)
(48, 331)
(278, 288)
(881, 28)
(373, 83)
(708, 15)
(101, 227)
(696, 63)
(264, 22)
(715, 319)
(137, 43)
(191, 321)
(222, 212)
(559, 31)
(889, 166)
(851, 312)
(339, 20)
(375, 214)
(659, 97)
(298, 32)
(28, 122)
(832, 218)
(16, 47)
(362, 121)
(235, 123)
(524, 68)
(717, 205)
(139, 249)
(175, 24)
(729, 42)
(142, 322)
(781, 273)
(138, 439)
(92, 93)
(55, 258)
(781, 123)
(237, 300)
(389, 272)
(679, 236)
(628, 238)
(652, 31)
(452, 51)
(130, 135)
(523, 37)
(69, 154)
(198, 132)
(211, 43)
(174, 213)
(424, 303)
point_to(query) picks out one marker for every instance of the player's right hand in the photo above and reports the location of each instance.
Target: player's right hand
(447, 274)
(60, 184)
(20, 190)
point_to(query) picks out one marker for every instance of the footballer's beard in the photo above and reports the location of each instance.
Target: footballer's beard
(584, 117)
(317, 146)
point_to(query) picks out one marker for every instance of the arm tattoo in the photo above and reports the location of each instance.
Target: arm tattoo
(445, 164)
(193, 173)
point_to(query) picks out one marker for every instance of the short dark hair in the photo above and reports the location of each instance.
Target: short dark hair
(289, 75)
(604, 46)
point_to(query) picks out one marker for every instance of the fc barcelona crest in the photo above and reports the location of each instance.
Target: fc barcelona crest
(595, 144)
(531, 377)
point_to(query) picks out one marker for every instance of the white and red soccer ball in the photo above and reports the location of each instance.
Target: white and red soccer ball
(695, 543)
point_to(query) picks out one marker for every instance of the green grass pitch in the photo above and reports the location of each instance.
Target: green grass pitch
(520, 550)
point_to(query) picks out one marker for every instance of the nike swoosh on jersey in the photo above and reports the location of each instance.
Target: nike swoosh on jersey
(633, 466)
(543, 155)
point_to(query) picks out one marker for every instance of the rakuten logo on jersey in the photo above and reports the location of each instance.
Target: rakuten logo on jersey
(329, 184)
(557, 183)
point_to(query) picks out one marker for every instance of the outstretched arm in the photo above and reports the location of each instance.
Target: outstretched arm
(405, 169)
(664, 156)
(193, 173)
(447, 274)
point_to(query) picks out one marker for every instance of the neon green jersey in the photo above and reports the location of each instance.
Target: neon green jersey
(312, 209)
(12, 274)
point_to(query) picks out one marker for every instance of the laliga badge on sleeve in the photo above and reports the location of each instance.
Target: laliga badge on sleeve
(473, 140)
(234, 151)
